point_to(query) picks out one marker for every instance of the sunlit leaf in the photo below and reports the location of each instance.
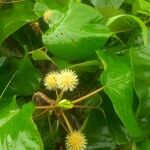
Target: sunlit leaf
(77, 35)
(17, 130)
(144, 145)
(122, 23)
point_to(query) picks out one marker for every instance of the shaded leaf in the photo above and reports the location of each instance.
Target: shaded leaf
(41, 55)
(144, 145)
(2, 60)
(14, 17)
(117, 80)
(118, 132)
(26, 79)
(97, 133)
(89, 66)
(140, 63)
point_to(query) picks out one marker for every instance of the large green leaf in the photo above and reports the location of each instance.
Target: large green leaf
(117, 80)
(117, 130)
(78, 34)
(140, 63)
(17, 130)
(97, 133)
(19, 77)
(125, 22)
(14, 16)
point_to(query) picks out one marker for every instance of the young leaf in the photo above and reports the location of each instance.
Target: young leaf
(97, 133)
(65, 104)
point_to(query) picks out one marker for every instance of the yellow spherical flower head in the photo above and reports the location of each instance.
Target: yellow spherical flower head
(47, 15)
(67, 80)
(50, 81)
(76, 141)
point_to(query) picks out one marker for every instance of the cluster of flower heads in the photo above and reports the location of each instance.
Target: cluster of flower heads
(64, 80)
(76, 141)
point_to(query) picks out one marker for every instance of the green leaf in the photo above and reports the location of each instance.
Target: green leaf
(109, 12)
(140, 64)
(117, 80)
(14, 17)
(61, 63)
(121, 23)
(144, 145)
(55, 16)
(105, 3)
(26, 78)
(78, 34)
(65, 104)
(17, 130)
(118, 132)
(89, 66)
(50, 131)
(141, 5)
(26, 82)
(42, 5)
(41, 55)
(97, 133)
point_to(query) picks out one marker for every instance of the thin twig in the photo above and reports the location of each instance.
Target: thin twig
(40, 114)
(46, 107)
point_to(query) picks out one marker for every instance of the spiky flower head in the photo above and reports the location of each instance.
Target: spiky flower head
(67, 80)
(76, 141)
(47, 15)
(50, 81)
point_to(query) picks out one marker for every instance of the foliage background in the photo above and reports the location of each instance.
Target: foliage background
(107, 42)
